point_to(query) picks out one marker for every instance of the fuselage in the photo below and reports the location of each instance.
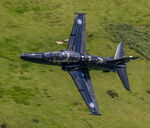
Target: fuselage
(69, 60)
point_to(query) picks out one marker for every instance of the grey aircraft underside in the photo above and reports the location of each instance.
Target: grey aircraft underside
(77, 62)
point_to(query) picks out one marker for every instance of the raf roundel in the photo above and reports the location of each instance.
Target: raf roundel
(92, 105)
(79, 21)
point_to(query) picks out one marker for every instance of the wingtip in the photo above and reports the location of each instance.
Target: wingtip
(80, 13)
(95, 113)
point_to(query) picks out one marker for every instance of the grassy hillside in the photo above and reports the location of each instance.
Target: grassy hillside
(41, 96)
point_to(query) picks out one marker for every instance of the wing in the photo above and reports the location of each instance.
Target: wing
(84, 85)
(77, 41)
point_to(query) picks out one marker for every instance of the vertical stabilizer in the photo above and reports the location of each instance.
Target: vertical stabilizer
(119, 52)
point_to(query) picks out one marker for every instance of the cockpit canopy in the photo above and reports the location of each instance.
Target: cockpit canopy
(62, 56)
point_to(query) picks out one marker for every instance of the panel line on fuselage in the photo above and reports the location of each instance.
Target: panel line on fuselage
(67, 55)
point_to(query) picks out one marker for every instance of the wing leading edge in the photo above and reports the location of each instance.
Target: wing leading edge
(84, 85)
(77, 41)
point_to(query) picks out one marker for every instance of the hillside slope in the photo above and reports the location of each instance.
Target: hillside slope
(42, 96)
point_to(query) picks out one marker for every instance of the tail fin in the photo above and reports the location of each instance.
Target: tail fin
(119, 52)
(122, 70)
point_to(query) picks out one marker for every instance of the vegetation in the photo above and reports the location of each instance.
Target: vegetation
(42, 96)
(137, 38)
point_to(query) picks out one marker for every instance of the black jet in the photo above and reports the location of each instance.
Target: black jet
(78, 63)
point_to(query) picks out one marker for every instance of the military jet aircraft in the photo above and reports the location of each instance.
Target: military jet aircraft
(78, 63)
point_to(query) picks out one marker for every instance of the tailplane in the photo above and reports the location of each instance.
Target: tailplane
(120, 62)
(122, 72)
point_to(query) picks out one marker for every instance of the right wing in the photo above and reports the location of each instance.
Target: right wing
(84, 85)
(77, 41)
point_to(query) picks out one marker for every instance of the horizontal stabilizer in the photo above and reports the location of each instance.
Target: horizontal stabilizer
(124, 78)
(122, 60)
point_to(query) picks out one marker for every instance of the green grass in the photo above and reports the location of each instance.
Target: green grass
(135, 37)
(29, 90)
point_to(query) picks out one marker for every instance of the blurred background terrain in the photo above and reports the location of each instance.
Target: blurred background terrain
(42, 96)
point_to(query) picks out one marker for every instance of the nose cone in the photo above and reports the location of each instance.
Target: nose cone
(33, 57)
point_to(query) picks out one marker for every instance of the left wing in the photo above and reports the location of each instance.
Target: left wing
(84, 85)
(77, 41)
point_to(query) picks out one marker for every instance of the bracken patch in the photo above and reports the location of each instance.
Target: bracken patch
(112, 93)
(137, 38)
